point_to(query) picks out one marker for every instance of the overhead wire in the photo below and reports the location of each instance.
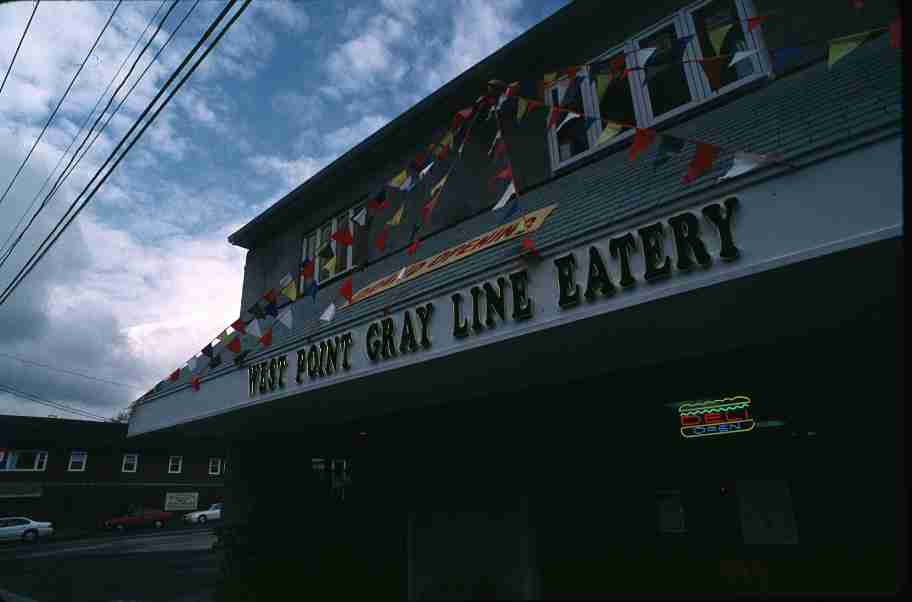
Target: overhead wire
(18, 46)
(62, 98)
(50, 240)
(3, 249)
(65, 371)
(57, 405)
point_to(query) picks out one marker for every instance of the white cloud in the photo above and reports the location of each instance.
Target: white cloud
(286, 13)
(344, 138)
(291, 172)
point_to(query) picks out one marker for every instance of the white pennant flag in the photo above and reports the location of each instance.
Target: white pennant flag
(286, 318)
(741, 55)
(643, 56)
(493, 144)
(285, 280)
(254, 328)
(570, 115)
(192, 363)
(361, 217)
(400, 274)
(511, 190)
(745, 162)
(329, 313)
(425, 171)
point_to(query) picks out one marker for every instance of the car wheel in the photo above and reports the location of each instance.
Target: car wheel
(30, 536)
(120, 528)
(202, 519)
(158, 524)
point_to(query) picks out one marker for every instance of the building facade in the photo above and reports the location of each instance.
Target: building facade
(78, 473)
(635, 376)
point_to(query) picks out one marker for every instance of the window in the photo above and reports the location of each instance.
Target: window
(174, 464)
(670, 81)
(78, 461)
(23, 460)
(130, 463)
(670, 512)
(341, 261)
(215, 466)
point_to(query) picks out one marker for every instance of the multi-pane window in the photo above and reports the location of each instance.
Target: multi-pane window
(23, 460)
(667, 75)
(215, 466)
(78, 461)
(329, 256)
(175, 463)
(130, 463)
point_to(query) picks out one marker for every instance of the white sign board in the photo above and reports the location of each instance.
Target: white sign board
(181, 501)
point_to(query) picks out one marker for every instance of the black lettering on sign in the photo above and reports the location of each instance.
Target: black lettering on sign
(322, 361)
(302, 365)
(332, 355)
(686, 228)
(653, 237)
(722, 222)
(407, 343)
(273, 374)
(566, 281)
(347, 344)
(495, 302)
(253, 375)
(264, 377)
(283, 368)
(621, 248)
(522, 304)
(476, 309)
(313, 356)
(598, 281)
(389, 336)
(460, 324)
(424, 316)
(373, 341)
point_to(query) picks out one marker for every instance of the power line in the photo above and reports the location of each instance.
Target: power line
(62, 98)
(15, 54)
(40, 253)
(65, 371)
(51, 404)
(79, 133)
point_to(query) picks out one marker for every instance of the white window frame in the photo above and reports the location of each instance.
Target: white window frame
(218, 467)
(73, 456)
(180, 464)
(11, 456)
(123, 464)
(700, 90)
(315, 234)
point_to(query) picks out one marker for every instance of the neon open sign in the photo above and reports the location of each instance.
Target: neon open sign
(720, 417)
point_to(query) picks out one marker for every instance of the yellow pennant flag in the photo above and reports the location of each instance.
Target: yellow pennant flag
(223, 336)
(601, 85)
(291, 290)
(611, 130)
(330, 265)
(717, 36)
(549, 77)
(399, 180)
(521, 106)
(439, 185)
(397, 217)
(840, 47)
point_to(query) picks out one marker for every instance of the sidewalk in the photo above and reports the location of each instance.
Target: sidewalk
(82, 534)
(6, 596)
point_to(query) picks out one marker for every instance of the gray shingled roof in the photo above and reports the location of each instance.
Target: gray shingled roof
(799, 115)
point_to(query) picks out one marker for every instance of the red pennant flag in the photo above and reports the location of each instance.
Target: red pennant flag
(412, 248)
(235, 345)
(195, 383)
(427, 208)
(896, 33)
(270, 296)
(702, 160)
(175, 375)
(239, 325)
(500, 148)
(378, 203)
(307, 268)
(346, 289)
(529, 246)
(755, 22)
(570, 72)
(506, 174)
(641, 141)
(460, 117)
(266, 339)
(343, 236)
(618, 64)
(553, 117)
(712, 67)
(380, 241)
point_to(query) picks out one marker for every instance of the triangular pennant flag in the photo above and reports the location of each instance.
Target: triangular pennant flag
(326, 251)
(426, 170)
(528, 246)
(191, 363)
(311, 289)
(271, 309)
(505, 174)
(360, 218)
(410, 182)
(399, 179)
(500, 149)
(717, 36)
(270, 295)
(286, 317)
(257, 311)
(412, 248)
(497, 138)
(379, 202)
(343, 236)
(460, 117)
(553, 117)
(840, 47)
(397, 217)
(215, 361)
(509, 192)
(380, 241)
(755, 22)
(712, 67)
(235, 345)
(419, 161)
(346, 289)
(239, 325)
(239, 359)
(667, 145)
(896, 33)
(290, 290)
(253, 329)
(611, 130)
(401, 273)
(641, 141)
(643, 56)
(744, 162)
(330, 265)
(329, 313)
(512, 211)
(675, 53)
(436, 188)
(223, 336)
(266, 339)
(207, 350)
(741, 55)
(175, 376)
(428, 208)
(570, 117)
(521, 106)
(283, 281)
(307, 268)
(601, 85)
(195, 383)
(702, 160)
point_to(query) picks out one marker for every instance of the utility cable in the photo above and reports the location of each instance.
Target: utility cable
(51, 404)
(62, 98)
(65, 371)
(79, 133)
(40, 253)
(15, 54)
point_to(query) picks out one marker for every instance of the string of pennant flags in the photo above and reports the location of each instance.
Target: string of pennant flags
(492, 104)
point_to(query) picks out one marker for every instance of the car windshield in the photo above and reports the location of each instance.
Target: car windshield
(216, 507)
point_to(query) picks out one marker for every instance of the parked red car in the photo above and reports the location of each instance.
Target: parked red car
(140, 517)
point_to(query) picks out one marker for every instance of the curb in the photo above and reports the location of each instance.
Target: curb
(6, 596)
(99, 535)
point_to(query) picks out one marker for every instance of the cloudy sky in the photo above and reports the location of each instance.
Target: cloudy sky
(145, 276)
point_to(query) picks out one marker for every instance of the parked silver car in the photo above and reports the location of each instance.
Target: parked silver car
(20, 528)
(202, 516)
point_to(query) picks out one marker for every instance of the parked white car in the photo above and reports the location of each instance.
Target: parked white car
(201, 516)
(20, 528)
